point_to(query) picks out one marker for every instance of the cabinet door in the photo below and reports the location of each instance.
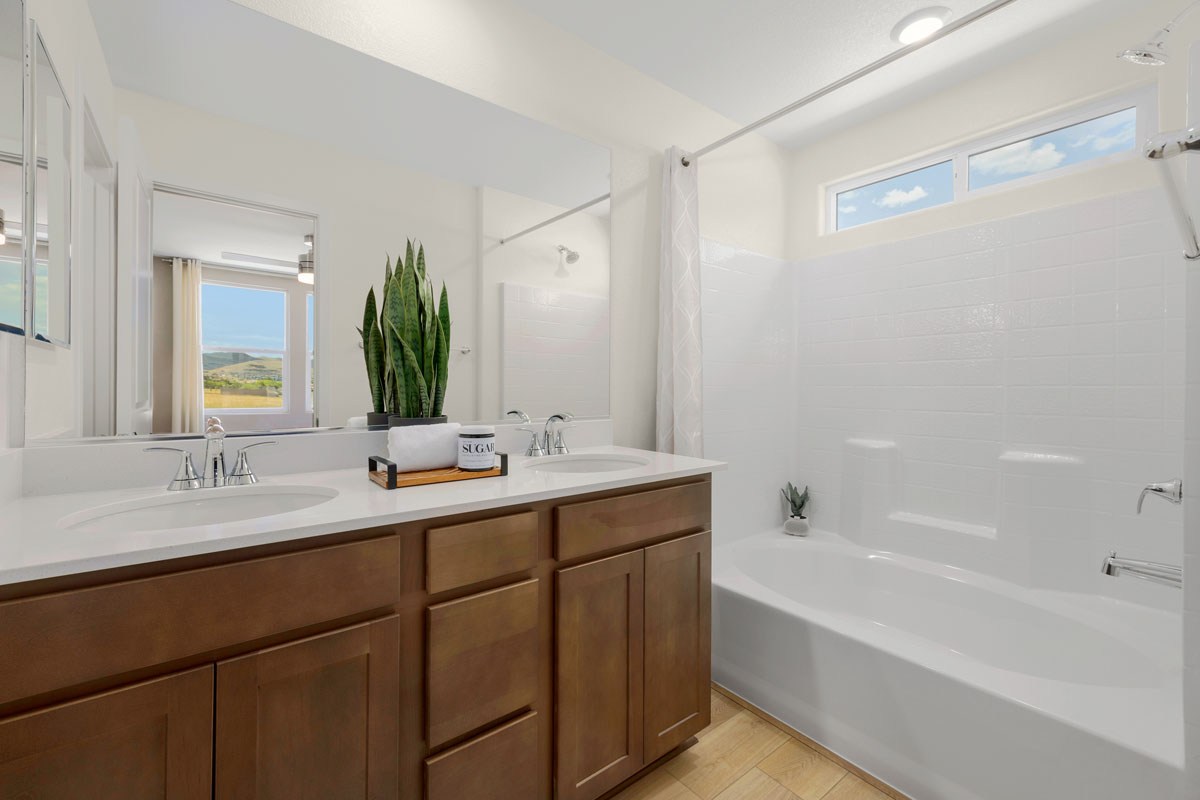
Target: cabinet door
(598, 677)
(149, 741)
(678, 641)
(315, 719)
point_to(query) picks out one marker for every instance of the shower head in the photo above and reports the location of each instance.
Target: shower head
(571, 255)
(1153, 52)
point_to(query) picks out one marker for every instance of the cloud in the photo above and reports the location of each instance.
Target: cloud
(1122, 137)
(1021, 158)
(899, 197)
(847, 209)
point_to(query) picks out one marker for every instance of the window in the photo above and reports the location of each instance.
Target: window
(244, 343)
(912, 191)
(1080, 139)
(1074, 144)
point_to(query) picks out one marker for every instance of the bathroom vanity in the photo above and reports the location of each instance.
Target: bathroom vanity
(534, 636)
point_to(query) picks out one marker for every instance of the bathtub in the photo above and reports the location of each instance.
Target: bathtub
(949, 684)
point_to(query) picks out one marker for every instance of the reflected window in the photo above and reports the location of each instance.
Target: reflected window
(244, 345)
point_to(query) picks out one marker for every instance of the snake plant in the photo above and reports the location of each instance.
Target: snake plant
(406, 340)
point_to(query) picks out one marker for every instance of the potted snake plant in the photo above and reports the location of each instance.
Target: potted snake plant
(406, 343)
(797, 523)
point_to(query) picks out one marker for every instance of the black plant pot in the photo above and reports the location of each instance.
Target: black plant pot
(377, 420)
(397, 421)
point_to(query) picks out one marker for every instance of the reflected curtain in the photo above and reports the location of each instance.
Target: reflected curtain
(680, 407)
(187, 371)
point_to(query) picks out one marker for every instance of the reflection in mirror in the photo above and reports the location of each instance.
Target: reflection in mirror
(12, 305)
(51, 312)
(230, 313)
(229, 163)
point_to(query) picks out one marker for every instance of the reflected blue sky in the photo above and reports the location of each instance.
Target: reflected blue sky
(247, 319)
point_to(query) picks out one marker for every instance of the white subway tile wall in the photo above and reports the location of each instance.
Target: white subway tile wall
(553, 350)
(749, 413)
(1054, 333)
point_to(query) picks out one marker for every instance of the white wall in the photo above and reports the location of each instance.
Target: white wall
(1080, 69)
(496, 50)
(749, 417)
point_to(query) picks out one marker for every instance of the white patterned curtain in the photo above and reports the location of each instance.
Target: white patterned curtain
(680, 424)
(187, 374)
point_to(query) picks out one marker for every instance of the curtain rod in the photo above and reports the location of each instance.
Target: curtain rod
(895, 55)
(563, 215)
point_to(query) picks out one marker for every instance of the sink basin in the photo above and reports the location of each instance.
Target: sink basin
(196, 507)
(587, 462)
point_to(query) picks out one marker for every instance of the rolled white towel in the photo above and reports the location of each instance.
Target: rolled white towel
(420, 447)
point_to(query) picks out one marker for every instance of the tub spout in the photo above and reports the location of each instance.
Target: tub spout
(1166, 574)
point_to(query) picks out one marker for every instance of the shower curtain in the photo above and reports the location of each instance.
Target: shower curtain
(187, 372)
(680, 418)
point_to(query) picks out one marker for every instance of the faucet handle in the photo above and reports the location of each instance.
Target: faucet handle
(185, 476)
(520, 414)
(213, 428)
(535, 442)
(1171, 491)
(242, 475)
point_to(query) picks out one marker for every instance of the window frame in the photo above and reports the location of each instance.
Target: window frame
(1144, 100)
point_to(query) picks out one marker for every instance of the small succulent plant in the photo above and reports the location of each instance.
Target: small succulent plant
(796, 499)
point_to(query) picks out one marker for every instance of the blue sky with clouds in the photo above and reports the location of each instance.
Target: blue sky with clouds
(934, 185)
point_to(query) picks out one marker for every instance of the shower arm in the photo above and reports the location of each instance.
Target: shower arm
(1161, 149)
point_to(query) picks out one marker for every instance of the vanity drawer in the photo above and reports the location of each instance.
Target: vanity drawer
(482, 659)
(460, 555)
(501, 764)
(614, 523)
(138, 624)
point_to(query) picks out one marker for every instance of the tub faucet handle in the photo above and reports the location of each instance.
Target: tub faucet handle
(1171, 491)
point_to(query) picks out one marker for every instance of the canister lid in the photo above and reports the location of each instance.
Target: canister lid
(477, 430)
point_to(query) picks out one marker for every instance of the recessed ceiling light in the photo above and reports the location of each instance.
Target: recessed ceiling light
(920, 24)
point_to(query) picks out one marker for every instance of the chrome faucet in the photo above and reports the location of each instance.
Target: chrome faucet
(1171, 491)
(214, 453)
(214, 462)
(535, 442)
(1165, 574)
(553, 435)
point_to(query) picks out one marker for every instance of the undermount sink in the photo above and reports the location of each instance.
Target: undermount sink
(585, 462)
(196, 507)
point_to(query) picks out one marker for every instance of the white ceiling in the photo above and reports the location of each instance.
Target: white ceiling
(189, 227)
(747, 58)
(223, 58)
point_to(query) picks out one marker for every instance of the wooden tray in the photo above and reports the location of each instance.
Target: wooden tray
(389, 478)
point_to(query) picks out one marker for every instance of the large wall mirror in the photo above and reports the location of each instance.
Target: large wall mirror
(12, 193)
(264, 179)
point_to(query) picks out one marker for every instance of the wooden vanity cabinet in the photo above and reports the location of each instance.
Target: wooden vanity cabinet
(147, 741)
(315, 719)
(547, 650)
(633, 662)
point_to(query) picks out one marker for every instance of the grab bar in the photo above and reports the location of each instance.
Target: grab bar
(1165, 574)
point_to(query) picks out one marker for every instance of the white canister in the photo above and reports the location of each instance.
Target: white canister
(476, 448)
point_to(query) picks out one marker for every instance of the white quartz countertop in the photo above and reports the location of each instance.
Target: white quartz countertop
(34, 543)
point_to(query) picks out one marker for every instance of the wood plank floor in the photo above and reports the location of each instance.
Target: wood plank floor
(744, 755)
